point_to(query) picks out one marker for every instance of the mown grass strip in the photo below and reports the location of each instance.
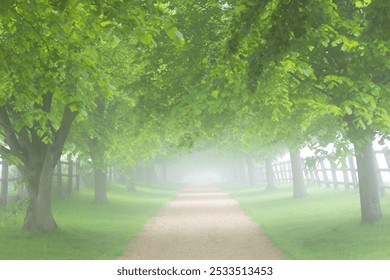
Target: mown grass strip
(87, 230)
(323, 226)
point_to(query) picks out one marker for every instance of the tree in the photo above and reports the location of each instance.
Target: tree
(333, 65)
(51, 68)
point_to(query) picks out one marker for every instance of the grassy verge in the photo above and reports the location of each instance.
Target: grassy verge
(325, 225)
(87, 230)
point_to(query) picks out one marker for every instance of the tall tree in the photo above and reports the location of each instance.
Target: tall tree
(336, 60)
(50, 58)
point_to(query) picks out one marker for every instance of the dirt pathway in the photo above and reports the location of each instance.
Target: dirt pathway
(201, 223)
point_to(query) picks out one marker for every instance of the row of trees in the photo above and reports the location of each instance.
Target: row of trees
(119, 83)
(73, 80)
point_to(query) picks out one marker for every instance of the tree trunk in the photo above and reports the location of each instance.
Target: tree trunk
(251, 170)
(100, 177)
(130, 181)
(368, 184)
(269, 174)
(97, 151)
(150, 173)
(164, 172)
(109, 174)
(39, 215)
(297, 174)
(4, 184)
(243, 179)
(60, 193)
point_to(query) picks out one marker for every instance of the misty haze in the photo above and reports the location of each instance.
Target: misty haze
(195, 130)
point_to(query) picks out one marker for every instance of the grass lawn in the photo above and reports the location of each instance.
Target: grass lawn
(87, 230)
(325, 225)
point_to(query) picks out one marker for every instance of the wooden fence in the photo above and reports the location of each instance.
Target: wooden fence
(326, 174)
(10, 175)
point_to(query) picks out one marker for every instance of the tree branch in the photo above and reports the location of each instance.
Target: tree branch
(314, 86)
(10, 136)
(62, 133)
(33, 27)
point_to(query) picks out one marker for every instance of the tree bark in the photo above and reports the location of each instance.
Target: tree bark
(39, 215)
(269, 174)
(38, 160)
(297, 174)
(368, 184)
(100, 177)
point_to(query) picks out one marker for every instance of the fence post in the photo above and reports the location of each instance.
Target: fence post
(269, 174)
(70, 177)
(386, 153)
(379, 175)
(334, 177)
(352, 167)
(346, 179)
(325, 174)
(4, 184)
(317, 176)
(77, 174)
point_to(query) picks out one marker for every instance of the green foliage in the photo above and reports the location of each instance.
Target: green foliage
(305, 65)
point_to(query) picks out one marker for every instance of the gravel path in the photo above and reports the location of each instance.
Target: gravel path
(201, 223)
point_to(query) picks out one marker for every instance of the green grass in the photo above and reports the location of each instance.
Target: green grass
(325, 225)
(87, 230)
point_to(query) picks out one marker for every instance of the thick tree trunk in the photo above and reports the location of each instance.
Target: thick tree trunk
(297, 174)
(39, 215)
(100, 177)
(269, 174)
(368, 184)
(38, 159)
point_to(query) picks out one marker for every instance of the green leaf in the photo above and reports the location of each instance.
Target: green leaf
(348, 110)
(115, 41)
(359, 4)
(179, 35)
(105, 23)
(307, 72)
(146, 38)
(73, 107)
(68, 28)
(215, 93)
